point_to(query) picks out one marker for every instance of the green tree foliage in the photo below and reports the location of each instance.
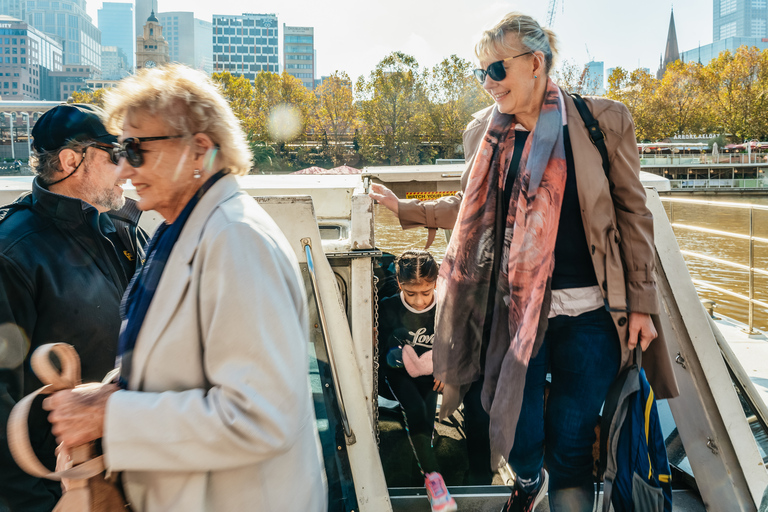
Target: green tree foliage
(336, 115)
(391, 103)
(453, 95)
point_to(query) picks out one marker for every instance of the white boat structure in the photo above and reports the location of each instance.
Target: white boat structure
(718, 449)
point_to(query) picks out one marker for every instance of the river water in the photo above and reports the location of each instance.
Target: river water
(391, 238)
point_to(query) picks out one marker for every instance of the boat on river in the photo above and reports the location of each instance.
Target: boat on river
(716, 429)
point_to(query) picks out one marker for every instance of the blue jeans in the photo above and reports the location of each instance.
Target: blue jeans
(583, 355)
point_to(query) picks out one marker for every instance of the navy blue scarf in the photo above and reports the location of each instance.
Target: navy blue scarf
(142, 287)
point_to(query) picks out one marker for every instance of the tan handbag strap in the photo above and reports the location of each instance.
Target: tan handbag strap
(18, 428)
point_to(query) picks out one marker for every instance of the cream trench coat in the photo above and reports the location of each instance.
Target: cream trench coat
(618, 225)
(218, 416)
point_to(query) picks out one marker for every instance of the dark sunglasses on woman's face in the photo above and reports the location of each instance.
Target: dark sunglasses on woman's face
(109, 149)
(496, 70)
(130, 148)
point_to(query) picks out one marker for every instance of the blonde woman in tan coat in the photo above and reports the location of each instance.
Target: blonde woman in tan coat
(550, 268)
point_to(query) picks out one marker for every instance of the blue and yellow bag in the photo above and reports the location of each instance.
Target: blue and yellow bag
(632, 451)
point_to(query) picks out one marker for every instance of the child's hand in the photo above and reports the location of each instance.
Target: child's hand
(395, 358)
(439, 386)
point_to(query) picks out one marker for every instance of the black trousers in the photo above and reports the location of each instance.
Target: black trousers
(419, 403)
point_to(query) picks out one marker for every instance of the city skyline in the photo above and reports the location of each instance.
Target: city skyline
(352, 37)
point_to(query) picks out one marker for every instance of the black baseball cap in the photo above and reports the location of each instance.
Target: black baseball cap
(69, 122)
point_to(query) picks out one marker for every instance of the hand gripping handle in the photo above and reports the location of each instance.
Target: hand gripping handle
(18, 429)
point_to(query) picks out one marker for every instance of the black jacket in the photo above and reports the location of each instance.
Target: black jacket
(63, 270)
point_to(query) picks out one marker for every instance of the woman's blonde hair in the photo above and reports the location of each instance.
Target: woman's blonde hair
(495, 45)
(189, 102)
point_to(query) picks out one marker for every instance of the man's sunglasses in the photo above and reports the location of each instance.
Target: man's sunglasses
(496, 70)
(109, 149)
(130, 148)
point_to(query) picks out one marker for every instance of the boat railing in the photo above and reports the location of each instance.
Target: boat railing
(751, 238)
(696, 183)
(704, 159)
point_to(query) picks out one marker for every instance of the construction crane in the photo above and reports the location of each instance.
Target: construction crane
(551, 12)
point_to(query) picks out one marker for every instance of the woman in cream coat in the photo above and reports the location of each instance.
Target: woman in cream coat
(215, 412)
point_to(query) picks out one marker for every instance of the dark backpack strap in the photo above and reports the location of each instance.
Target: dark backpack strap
(593, 128)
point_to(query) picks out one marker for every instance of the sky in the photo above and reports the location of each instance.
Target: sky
(354, 35)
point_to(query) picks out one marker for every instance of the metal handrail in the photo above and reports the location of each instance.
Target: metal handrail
(307, 243)
(751, 238)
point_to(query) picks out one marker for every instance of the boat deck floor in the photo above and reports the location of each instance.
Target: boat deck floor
(751, 350)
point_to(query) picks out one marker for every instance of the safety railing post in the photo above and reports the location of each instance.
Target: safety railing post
(750, 324)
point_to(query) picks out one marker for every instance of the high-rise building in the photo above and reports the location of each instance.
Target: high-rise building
(114, 63)
(28, 58)
(706, 53)
(299, 54)
(246, 44)
(68, 23)
(116, 25)
(16, 9)
(151, 47)
(142, 11)
(189, 39)
(739, 18)
(594, 78)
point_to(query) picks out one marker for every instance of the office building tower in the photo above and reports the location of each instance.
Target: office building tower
(141, 12)
(246, 44)
(739, 18)
(116, 25)
(299, 54)
(189, 39)
(594, 78)
(114, 63)
(16, 9)
(68, 23)
(27, 58)
(704, 54)
(151, 47)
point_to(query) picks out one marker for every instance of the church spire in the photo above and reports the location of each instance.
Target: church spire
(671, 54)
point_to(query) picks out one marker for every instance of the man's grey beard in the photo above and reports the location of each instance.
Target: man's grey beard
(109, 199)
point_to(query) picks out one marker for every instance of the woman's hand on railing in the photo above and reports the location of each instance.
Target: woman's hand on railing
(384, 196)
(641, 329)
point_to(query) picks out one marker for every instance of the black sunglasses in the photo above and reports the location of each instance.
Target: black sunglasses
(130, 148)
(496, 70)
(109, 149)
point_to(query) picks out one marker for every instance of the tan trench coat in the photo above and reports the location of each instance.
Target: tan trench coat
(618, 225)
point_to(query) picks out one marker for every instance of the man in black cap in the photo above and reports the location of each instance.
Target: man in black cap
(67, 252)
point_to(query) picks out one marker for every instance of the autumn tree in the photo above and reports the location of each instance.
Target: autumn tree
(284, 108)
(637, 90)
(391, 106)
(453, 94)
(735, 85)
(336, 115)
(239, 92)
(95, 97)
(683, 108)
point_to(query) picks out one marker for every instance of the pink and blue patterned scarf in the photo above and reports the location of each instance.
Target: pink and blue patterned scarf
(460, 354)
